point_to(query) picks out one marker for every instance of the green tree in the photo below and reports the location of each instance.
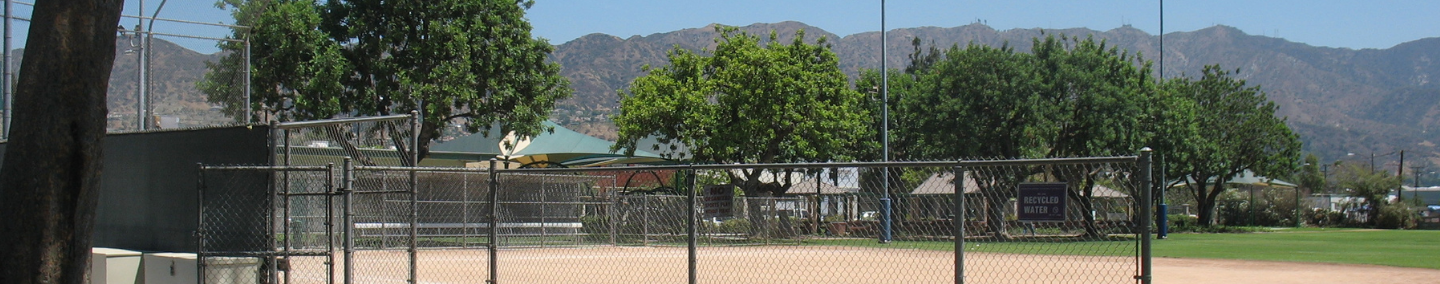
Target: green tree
(1374, 186)
(1309, 175)
(50, 181)
(1235, 130)
(748, 103)
(295, 66)
(1100, 97)
(471, 62)
(990, 96)
(1071, 98)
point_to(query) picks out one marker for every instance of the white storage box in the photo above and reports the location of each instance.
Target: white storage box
(114, 266)
(179, 268)
(170, 268)
(232, 270)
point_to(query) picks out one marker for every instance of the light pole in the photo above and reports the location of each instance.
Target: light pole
(145, 59)
(140, 67)
(1164, 208)
(885, 205)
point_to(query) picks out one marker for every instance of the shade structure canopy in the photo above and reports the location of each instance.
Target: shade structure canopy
(1249, 178)
(561, 147)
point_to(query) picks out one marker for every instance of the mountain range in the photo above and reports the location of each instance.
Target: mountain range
(1345, 103)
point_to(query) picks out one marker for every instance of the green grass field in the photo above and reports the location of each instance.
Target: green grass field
(1420, 249)
(1381, 247)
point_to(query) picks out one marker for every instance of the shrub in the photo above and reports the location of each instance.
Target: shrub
(1271, 207)
(1396, 216)
(1321, 217)
(1181, 223)
(737, 225)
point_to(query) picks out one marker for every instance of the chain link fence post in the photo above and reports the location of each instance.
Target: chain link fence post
(645, 219)
(959, 223)
(200, 223)
(693, 228)
(494, 218)
(414, 161)
(286, 231)
(348, 192)
(1145, 214)
(330, 193)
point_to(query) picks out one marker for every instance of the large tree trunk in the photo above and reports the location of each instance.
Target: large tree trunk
(51, 176)
(995, 202)
(1373, 215)
(1206, 215)
(1206, 201)
(1086, 198)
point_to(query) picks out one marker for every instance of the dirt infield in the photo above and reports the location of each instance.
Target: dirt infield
(1205, 271)
(811, 264)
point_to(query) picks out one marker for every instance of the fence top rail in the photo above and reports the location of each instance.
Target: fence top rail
(267, 168)
(421, 169)
(962, 163)
(324, 122)
(505, 175)
(1050, 161)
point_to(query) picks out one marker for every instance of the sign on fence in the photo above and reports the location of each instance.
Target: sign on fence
(1042, 202)
(718, 200)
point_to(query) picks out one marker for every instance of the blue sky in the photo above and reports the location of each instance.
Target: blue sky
(1349, 24)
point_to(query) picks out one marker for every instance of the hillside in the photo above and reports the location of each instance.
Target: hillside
(1340, 100)
(173, 73)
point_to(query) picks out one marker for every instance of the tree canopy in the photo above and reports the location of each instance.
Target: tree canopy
(1235, 129)
(471, 62)
(1069, 98)
(1374, 186)
(748, 101)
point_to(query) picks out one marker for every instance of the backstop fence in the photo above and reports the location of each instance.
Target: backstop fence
(1071, 220)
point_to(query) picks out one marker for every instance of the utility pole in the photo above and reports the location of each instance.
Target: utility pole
(1400, 174)
(1372, 161)
(1325, 178)
(1416, 171)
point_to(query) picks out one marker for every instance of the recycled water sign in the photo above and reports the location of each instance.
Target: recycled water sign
(1041, 202)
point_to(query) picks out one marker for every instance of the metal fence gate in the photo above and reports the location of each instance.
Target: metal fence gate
(261, 224)
(1080, 220)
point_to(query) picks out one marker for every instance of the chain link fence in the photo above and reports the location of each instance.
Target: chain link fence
(1032, 221)
(256, 227)
(368, 141)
